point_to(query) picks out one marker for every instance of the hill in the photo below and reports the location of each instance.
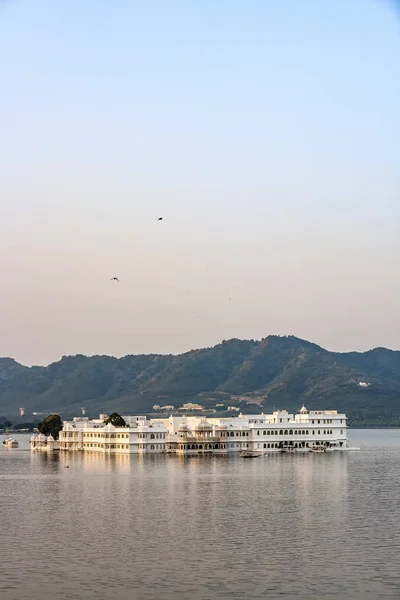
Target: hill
(282, 372)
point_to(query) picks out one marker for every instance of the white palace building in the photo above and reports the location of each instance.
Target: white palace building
(199, 435)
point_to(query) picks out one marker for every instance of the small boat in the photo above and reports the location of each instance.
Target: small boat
(9, 442)
(250, 454)
(302, 450)
(318, 449)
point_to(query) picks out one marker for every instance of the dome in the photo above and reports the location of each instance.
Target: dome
(204, 426)
(41, 438)
(33, 438)
(303, 410)
(50, 438)
(183, 427)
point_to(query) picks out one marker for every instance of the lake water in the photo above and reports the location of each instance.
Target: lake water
(167, 527)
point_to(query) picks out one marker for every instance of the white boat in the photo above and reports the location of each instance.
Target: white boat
(318, 449)
(250, 454)
(9, 442)
(303, 450)
(289, 450)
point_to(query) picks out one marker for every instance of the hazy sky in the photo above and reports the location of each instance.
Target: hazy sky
(265, 132)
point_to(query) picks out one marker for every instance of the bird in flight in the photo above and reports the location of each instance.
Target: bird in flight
(114, 279)
(159, 219)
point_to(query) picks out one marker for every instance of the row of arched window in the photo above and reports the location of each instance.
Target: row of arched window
(234, 433)
(210, 446)
(296, 432)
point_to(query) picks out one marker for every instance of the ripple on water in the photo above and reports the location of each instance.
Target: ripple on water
(211, 528)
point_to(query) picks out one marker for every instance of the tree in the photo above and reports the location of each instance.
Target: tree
(51, 425)
(116, 420)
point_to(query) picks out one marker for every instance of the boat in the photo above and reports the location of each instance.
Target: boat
(318, 449)
(250, 454)
(302, 450)
(289, 450)
(9, 442)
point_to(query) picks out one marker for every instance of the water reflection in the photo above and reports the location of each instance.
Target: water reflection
(91, 463)
(201, 527)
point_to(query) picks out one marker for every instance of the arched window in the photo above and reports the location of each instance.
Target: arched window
(281, 432)
(265, 445)
(264, 433)
(268, 432)
(276, 432)
(291, 432)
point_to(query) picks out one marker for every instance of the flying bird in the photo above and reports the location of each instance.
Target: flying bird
(159, 219)
(114, 279)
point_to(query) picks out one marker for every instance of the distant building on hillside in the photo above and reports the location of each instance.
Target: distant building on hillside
(191, 406)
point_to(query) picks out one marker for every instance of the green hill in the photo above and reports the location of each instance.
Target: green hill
(281, 372)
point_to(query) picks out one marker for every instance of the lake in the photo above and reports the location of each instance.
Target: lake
(202, 528)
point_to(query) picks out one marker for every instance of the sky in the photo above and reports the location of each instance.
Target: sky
(266, 134)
